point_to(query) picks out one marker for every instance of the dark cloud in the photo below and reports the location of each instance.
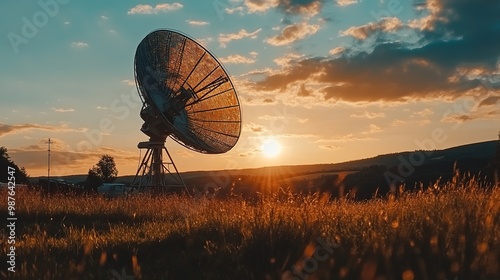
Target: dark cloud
(303, 91)
(292, 7)
(300, 6)
(490, 100)
(458, 37)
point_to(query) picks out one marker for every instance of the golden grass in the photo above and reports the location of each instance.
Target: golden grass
(441, 233)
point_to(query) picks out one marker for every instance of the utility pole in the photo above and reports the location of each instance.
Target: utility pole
(48, 167)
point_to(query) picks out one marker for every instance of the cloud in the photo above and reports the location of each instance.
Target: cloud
(490, 100)
(373, 129)
(329, 147)
(295, 135)
(303, 91)
(226, 38)
(410, 123)
(469, 116)
(364, 31)
(368, 115)
(65, 160)
(159, 8)
(197, 22)
(439, 65)
(18, 128)
(287, 59)
(62, 110)
(336, 50)
(237, 59)
(258, 6)
(255, 128)
(205, 41)
(79, 45)
(346, 2)
(345, 138)
(423, 113)
(104, 18)
(292, 33)
(233, 10)
(289, 7)
(101, 108)
(129, 82)
(66, 23)
(458, 118)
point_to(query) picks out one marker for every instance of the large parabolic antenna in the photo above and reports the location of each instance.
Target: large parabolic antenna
(188, 96)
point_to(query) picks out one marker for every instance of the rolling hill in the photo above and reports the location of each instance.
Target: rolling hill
(471, 157)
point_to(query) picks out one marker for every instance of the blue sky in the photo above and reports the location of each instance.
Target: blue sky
(328, 80)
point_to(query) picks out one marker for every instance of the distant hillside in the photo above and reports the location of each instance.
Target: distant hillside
(468, 156)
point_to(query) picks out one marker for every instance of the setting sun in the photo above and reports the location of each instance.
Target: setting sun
(271, 148)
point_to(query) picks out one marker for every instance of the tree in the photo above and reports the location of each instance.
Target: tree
(93, 180)
(5, 162)
(106, 169)
(103, 172)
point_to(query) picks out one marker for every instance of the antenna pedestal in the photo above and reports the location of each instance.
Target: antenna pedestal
(156, 172)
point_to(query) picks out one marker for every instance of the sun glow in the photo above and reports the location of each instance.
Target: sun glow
(271, 148)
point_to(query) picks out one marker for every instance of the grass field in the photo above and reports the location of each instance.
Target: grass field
(445, 232)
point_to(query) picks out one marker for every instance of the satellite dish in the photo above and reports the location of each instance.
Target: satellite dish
(188, 96)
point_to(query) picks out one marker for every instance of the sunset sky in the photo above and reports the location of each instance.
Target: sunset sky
(327, 81)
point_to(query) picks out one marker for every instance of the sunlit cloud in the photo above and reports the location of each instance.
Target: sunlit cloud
(365, 31)
(393, 71)
(292, 33)
(232, 10)
(237, 59)
(63, 110)
(197, 22)
(345, 138)
(159, 8)
(373, 129)
(368, 115)
(256, 6)
(336, 50)
(346, 2)
(224, 39)
(306, 7)
(287, 59)
(423, 113)
(18, 128)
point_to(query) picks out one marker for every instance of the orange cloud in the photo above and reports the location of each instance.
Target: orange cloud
(18, 128)
(292, 33)
(237, 59)
(364, 31)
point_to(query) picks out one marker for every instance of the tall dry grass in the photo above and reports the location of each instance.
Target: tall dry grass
(449, 231)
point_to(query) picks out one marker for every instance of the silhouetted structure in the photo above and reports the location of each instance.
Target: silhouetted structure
(188, 96)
